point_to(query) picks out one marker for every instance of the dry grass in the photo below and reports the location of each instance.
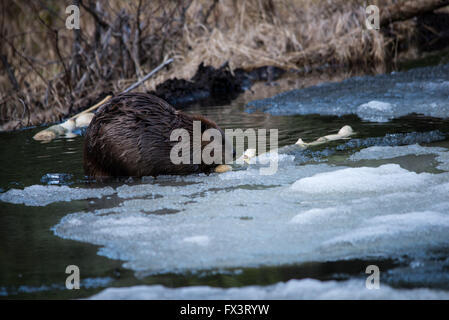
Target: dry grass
(296, 34)
(60, 71)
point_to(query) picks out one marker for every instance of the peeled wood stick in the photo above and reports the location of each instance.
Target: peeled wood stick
(344, 133)
(59, 129)
(91, 108)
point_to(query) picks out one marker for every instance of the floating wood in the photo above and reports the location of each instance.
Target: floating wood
(344, 133)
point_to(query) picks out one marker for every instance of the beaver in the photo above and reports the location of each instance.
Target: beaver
(130, 136)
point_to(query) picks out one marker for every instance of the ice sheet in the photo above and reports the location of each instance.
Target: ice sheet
(242, 219)
(373, 98)
(293, 289)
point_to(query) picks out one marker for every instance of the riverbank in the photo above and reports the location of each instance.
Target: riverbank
(52, 72)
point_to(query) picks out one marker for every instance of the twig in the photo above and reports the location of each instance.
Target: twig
(58, 52)
(92, 12)
(209, 11)
(10, 72)
(26, 60)
(137, 41)
(138, 83)
(25, 109)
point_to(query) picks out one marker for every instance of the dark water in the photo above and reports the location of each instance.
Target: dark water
(33, 259)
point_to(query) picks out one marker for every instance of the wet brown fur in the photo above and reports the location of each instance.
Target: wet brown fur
(130, 136)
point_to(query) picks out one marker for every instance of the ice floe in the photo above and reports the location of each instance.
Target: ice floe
(376, 111)
(389, 152)
(38, 195)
